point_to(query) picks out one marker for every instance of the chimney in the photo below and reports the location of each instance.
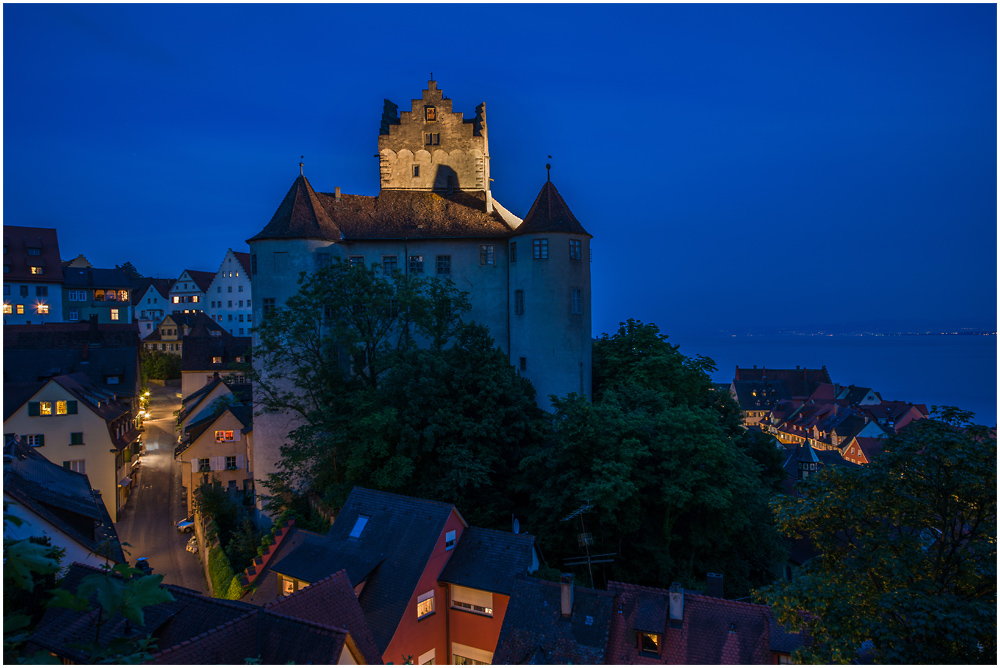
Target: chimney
(489, 201)
(676, 605)
(566, 594)
(714, 588)
(336, 193)
(215, 376)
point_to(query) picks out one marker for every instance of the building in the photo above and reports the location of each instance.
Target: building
(32, 276)
(89, 429)
(398, 554)
(187, 295)
(528, 280)
(229, 296)
(215, 450)
(58, 503)
(150, 303)
(105, 293)
(210, 352)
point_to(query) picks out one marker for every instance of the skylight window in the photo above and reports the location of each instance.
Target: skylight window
(359, 526)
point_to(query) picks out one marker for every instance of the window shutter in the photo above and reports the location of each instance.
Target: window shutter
(472, 596)
(66, 465)
(71, 408)
(33, 408)
(219, 464)
(41, 439)
(240, 461)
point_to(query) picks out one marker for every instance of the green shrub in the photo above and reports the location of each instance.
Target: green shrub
(219, 571)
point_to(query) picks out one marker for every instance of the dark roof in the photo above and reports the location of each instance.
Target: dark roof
(854, 394)
(799, 382)
(201, 279)
(712, 631)
(17, 241)
(390, 554)
(244, 260)
(200, 348)
(805, 452)
(870, 446)
(534, 630)
(262, 635)
(63, 498)
(74, 277)
(194, 430)
(333, 603)
(141, 285)
(489, 560)
(392, 214)
(171, 623)
(550, 213)
(16, 395)
(266, 587)
(768, 393)
(99, 350)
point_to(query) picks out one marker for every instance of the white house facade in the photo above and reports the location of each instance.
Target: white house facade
(229, 296)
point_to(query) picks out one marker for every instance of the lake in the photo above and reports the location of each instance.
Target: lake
(933, 370)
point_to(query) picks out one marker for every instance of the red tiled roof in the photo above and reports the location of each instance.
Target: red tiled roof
(550, 213)
(244, 260)
(331, 602)
(17, 241)
(869, 446)
(203, 279)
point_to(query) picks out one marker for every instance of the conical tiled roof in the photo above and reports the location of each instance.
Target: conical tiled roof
(550, 213)
(300, 216)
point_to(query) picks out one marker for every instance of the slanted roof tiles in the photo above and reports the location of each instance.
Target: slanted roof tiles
(489, 560)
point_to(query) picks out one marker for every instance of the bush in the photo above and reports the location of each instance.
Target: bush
(220, 572)
(159, 365)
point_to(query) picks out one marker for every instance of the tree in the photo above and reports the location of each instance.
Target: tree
(907, 550)
(655, 454)
(132, 273)
(159, 365)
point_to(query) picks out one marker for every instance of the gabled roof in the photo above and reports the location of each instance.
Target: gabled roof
(489, 560)
(62, 497)
(17, 262)
(243, 414)
(199, 351)
(871, 447)
(854, 394)
(550, 213)
(300, 216)
(201, 279)
(389, 555)
(171, 623)
(244, 260)
(806, 453)
(800, 382)
(534, 630)
(756, 395)
(141, 285)
(332, 603)
(16, 395)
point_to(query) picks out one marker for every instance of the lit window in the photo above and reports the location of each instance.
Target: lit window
(20, 309)
(574, 249)
(60, 408)
(8, 309)
(45, 408)
(123, 295)
(221, 436)
(216, 360)
(194, 298)
(359, 526)
(486, 255)
(444, 265)
(114, 314)
(425, 604)
(648, 643)
(176, 299)
(37, 270)
(430, 113)
(540, 249)
(416, 264)
(287, 586)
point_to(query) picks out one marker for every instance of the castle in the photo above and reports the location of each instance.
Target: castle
(527, 279)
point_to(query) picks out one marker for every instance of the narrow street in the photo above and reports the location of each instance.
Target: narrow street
(148, 521)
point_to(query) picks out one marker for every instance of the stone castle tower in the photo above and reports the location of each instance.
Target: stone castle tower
(528, 280)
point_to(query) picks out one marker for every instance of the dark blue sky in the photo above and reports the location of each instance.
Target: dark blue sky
(739, 166)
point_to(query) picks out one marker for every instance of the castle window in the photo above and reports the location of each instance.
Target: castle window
(268, 306)
(389, 264)
(486, 255)
(524, 364)
(540, 249)
(416, 171)
(576, 301)
(356, 260)
(574, 249)
(519, 303)
(444, 265)
(416, 264)
(513, 251)
(432, 139)
(430, 113)
(43, 309)
(41, 291)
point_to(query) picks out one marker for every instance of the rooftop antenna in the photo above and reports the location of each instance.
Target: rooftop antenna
(301, 165)
(583, 538)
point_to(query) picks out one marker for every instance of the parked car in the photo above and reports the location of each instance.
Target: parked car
(192, 544)
(186, 525)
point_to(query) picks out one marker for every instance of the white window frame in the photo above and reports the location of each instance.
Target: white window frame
(425, 603)
(475, 601)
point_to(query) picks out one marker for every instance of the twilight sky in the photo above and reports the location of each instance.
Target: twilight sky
(739, 166)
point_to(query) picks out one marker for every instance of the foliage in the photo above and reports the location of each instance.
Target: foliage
(763, 449)
(129, 270)
(433, 408)
(655, 455)
(241, 547)
(220, 572)
(907, 550)
(159, 365)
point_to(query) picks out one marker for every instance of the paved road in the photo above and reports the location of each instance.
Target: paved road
(148, 520)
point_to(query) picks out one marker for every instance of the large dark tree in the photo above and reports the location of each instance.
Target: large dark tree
(908, 550)
(655, 454)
